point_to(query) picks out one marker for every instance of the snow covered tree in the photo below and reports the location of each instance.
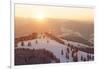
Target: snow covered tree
(88, 57)
(84, 59)
(75, 58)
(62, 52)
(81, 58)
(92, 57)
(36, 42)
(68, 44)
(16, 45)
(47, 41)
(22, 43)
(67, 56)
(68, 50)
(29, 44)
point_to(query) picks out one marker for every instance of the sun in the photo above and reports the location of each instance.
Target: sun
(40, 16)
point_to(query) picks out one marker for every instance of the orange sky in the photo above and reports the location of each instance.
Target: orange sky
(32, 11)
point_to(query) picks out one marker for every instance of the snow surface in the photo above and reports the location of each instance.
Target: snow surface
(54, 47)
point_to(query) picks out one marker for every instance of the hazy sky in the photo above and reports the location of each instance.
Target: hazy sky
(32, 11)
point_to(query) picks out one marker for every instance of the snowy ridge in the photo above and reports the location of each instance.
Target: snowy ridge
(61, 51)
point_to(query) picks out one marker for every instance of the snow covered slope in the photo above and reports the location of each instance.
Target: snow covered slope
(63, 52)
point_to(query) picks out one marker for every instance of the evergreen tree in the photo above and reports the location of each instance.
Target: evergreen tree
(62, 52)
(22, 43)
(29, 43)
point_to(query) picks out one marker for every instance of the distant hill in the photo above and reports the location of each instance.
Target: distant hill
(91, 39)
(27, 26)
(76, 38)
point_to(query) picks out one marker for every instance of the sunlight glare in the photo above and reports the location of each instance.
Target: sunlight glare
(40, 16)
